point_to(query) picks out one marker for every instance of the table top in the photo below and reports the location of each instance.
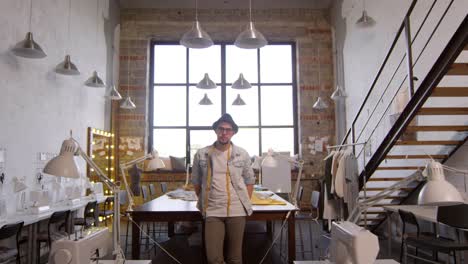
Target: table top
(31, 218)
(378, 261)
(166, 204)
(126, 261)
(424, 212)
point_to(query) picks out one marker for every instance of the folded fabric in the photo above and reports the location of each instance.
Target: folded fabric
(257, 199)
(183, 195)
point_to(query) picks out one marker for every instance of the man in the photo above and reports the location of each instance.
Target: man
(223, 181)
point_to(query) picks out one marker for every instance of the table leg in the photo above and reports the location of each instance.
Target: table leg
(31, 244)
(135, 239)
(389, 231)
(269, 228)
(291, 238)
(170, 229)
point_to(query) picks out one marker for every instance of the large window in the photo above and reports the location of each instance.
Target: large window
(180, 125)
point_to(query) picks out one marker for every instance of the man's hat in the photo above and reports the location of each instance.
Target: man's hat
(227, 119)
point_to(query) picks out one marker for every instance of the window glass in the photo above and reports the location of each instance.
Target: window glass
(203, 61)
(278, 139)
(241, 61)
(170, 64)
(244, 115)
(169, 142)
(247, 138)
(276, 64)
(200, 139)
(169, 106)
(277, 105)
(204, 115)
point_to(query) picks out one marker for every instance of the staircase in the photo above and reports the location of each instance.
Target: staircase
(434, 124)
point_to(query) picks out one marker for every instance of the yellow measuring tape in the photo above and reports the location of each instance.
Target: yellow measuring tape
(209, 177)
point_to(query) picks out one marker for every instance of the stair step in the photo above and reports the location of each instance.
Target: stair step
(428, 142)
(384, 179)
(450, 92)
(458, 69)
(415, 157)
(443, 111)
(369, 189)
(436, 128)
(400, 168)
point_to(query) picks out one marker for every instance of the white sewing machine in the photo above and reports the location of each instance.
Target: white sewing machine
(82, 250)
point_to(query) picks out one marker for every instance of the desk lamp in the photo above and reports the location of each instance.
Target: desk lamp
(64, 165)
(154, 163)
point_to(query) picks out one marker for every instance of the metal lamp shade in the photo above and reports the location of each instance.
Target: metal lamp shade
(238, 101)
(365, 20)
(64, 164)
(95, 81)
(241, 83)
(205, 100)
(437, 190)
(113, 94)
(339, 93)
(206, 83)
(250, 38)
(67, 67)
(155, 163)
(320, 104)
(196, 38)
(28, 48)
(128, 104)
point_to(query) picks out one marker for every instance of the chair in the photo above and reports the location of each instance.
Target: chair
(144, 193)
(164, 187)
(89, 217)
(449, 216)
(152, 190)
(8, 254)
(123, 200)
(108, 211)
(314, 204)
(57, 221)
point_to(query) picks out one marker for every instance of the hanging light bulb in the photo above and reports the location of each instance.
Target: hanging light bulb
(128, 103)
(241, 83)
(95, 81)
(365, 20)
(67, 67)
(339, 93)
(196, 38)
(28, 48)
(238, 101)
(320, 104)
(205, 100)
(113, 94)
(250, 38)
(206, 83)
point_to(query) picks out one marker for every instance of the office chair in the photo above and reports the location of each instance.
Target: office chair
(8, 254)
(108, 211)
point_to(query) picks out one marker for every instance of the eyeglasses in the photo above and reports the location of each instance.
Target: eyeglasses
(224, 129)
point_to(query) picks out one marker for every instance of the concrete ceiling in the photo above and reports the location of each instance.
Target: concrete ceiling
(227, 4)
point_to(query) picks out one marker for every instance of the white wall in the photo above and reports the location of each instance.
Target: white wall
(38, 107)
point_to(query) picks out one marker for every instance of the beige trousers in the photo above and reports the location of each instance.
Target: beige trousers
(224, 229)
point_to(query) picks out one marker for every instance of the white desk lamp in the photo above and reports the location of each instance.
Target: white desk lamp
(154, 163)
(64, 165)
(354, 244)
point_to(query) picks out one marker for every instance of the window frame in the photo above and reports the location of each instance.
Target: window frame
(223, 85)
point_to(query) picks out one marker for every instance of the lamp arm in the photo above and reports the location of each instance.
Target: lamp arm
(128, 164)
(117, 251)
(369, 202)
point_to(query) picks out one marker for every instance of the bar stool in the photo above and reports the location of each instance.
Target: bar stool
(89, 217)
(57, 222)
(8, 254)
(108, 211)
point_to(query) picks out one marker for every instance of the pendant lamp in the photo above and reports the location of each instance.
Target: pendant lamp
(365, 20)
(206, 83)
(113, 94)
(320, 104)
(238, 101)
(95, 81)
(28, 48)
(196, 38)
(128, 103)
(205, 100)
(250, 38)
(67, 67)
(339, 93)
(241, 83)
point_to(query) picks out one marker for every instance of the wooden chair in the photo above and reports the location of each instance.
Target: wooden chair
(8, 254)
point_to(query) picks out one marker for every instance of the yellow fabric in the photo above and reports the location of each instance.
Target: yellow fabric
(228, 181)
(268, 201)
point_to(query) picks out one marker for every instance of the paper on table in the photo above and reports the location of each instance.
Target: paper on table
(264, 199)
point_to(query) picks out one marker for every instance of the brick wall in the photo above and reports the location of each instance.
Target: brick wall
(310, 29)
